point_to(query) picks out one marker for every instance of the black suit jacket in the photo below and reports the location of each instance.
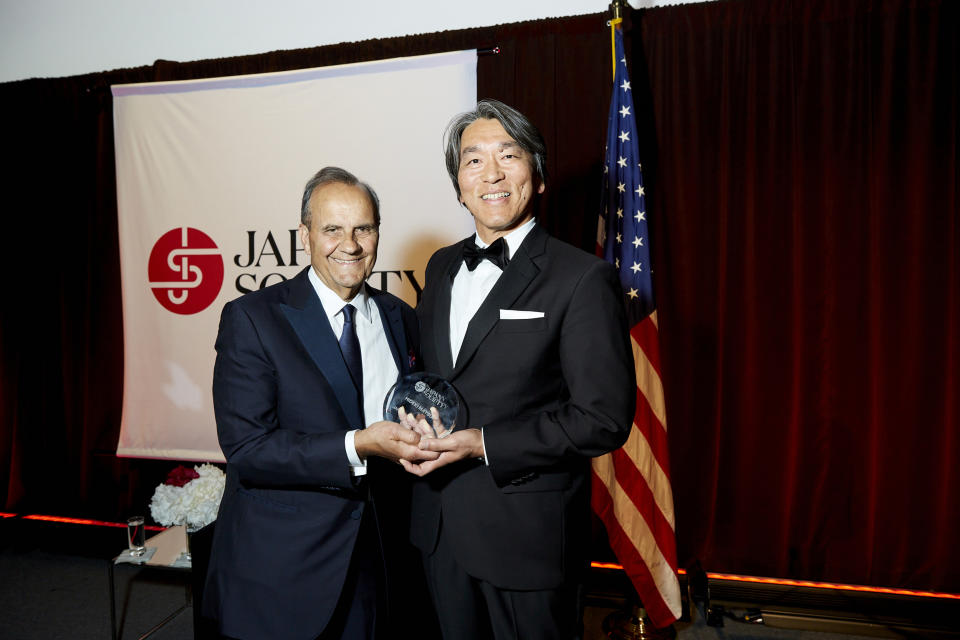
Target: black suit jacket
(291, 510)
(550, 393)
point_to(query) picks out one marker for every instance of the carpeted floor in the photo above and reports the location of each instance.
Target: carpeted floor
(54, 584)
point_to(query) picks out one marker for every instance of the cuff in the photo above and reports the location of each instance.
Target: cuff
(358, 467)
(486, 461)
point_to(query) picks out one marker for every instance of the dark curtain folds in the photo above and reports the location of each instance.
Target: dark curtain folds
(806, 249)
(801, 162)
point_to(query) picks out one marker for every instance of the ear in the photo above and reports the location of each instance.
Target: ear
(305, 239)
(542, 187)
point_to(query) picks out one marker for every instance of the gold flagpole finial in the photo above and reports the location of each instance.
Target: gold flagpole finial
(617, 9)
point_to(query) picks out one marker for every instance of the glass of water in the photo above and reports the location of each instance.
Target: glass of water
(136, 535)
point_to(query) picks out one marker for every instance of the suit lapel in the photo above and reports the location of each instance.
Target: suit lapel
(392, 320)
(515, 279)
(440, 314)
(305, 314)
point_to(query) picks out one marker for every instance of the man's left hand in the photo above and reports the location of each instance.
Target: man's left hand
(459, 445)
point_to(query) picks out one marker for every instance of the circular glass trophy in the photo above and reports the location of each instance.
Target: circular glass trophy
(417, 393)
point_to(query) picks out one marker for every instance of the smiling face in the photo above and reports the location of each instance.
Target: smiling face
(342, 237)
(496, 181)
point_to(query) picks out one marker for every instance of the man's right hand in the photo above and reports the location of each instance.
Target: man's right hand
(392, 441)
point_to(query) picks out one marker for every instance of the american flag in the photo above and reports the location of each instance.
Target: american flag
(631, 486)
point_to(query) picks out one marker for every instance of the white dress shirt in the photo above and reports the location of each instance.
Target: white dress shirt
(471, 288)
(379, 368)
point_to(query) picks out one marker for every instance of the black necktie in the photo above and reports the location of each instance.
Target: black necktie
(495, 253)
(350, 348)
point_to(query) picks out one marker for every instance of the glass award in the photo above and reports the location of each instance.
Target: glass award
(417, 393)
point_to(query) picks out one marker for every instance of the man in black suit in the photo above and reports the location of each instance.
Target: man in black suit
(532, 333)
(302, 367)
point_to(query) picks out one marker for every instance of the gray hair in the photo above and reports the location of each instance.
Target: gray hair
(514, 123)
(329, 175)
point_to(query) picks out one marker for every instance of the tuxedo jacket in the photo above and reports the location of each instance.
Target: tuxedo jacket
(291, 509)
(550, 392)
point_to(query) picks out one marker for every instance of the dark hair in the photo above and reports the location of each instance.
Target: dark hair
(329, 175)
(514, 123)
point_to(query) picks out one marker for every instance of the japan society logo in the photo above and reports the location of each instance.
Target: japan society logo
(185, 270)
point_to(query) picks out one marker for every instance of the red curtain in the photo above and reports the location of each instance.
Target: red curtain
(807, 262)
(801, 162)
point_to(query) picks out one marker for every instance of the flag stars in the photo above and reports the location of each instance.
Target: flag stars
(625, 245)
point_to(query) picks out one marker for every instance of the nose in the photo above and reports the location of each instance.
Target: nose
(349, 244)
(492, 172)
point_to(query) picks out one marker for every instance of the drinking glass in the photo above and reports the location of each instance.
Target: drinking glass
(136, 535)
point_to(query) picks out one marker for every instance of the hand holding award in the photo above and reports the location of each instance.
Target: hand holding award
(423, 395)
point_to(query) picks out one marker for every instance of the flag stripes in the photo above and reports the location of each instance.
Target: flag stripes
(635, 547)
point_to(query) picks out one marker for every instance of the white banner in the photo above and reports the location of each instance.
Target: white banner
(209, 179)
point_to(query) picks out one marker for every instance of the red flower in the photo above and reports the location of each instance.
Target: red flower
(181, 476)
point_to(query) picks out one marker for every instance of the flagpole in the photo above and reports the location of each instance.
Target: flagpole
(615, 20)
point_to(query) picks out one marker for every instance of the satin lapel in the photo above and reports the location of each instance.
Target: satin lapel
(440, 314)
(393, 323)
(515, 279)
(306, 316)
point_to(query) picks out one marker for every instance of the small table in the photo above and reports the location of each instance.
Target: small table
(170, 543)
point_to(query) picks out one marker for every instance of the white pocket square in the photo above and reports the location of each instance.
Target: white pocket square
(514, 314)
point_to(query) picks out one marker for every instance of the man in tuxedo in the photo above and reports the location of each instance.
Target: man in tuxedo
(532, 333)
(302, 367)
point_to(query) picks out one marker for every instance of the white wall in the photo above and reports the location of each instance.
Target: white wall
(52, 38)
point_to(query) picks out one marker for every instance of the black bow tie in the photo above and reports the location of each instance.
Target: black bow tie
(495, 253)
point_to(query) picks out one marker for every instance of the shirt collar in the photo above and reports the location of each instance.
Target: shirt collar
(333, 304)
(513, 239)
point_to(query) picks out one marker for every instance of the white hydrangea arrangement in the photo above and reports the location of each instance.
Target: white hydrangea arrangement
(189, 497)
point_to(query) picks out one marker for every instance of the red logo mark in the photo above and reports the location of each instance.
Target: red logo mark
(185, 270)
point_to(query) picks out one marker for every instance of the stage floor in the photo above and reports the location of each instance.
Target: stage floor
(54, 584)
